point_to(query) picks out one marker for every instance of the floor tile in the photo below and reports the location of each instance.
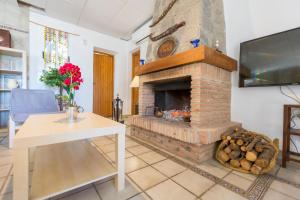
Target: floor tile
(134, 163)
(220, 193)
(147, 177)
(2, 181)
(193, 182)
(5, 160)
(108, 191)
(286, 189)
(169, 167)
(141, 196)
(89, 194)
(214, 168)
(238, 181)
(250, 177)
(290, 173)
(151, 157)
(274, 195)
(131, 143)
(4, 170)
(72, 192)
(108, 148)
(112, 155)
(169, 190)
(8, 186)
(137, 150)
(6, 196)
(5, 152)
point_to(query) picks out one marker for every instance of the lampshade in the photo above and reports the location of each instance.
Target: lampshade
(135, 82)
(12, 83)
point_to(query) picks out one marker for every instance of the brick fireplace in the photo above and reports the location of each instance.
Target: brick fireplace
(193, 79)
(210, 99)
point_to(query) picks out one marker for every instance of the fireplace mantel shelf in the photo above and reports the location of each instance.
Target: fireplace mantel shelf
(201, 54)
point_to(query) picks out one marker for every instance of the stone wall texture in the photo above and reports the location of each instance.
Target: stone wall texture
(204, 19)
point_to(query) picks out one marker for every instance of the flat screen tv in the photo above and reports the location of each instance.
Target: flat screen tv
(271, 60)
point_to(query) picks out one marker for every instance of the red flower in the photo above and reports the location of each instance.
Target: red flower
(72, 74)
(67, 81)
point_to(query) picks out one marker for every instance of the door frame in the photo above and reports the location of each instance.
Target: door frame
(98, 51)
(132, 76)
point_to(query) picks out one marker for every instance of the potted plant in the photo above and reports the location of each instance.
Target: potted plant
(52, 78)
(71, 82)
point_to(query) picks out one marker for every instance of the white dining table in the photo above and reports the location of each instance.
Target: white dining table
(64, 157)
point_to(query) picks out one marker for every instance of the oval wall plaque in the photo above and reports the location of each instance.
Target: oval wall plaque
(167, 47)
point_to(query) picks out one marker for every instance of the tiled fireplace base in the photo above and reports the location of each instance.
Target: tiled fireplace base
(194, 152)
(181, 131)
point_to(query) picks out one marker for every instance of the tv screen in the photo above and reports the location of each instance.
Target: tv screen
(271, 60)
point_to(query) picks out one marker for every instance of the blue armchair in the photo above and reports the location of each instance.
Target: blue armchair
(25, 102)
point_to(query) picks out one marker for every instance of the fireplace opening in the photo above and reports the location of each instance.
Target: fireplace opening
(173, 99)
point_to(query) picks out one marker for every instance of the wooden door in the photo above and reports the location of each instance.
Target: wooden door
(135, 91)
(103, 84)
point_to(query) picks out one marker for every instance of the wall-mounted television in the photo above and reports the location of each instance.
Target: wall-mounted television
(271, 60)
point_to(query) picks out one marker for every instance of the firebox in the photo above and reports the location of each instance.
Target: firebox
(174, 94)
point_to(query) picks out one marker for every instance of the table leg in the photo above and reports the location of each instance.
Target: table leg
(20, 172)
(120, 160)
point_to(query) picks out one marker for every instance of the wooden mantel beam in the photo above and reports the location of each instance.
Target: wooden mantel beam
(201, 54)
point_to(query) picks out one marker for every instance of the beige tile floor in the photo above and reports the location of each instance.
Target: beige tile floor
(154, 175)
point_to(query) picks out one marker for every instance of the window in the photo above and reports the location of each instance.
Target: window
(56, 48)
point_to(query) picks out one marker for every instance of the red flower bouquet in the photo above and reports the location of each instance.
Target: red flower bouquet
(72, 79)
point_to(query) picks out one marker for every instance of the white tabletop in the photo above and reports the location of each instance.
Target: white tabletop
(54, 128)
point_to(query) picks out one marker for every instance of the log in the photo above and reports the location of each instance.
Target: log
(243, 148)
(235, 163)
(227, 150)
(260, 146)
(234, 154)
(227, 133)
(223, 144)
(246, 165)
(264, 158)
(223, 156)
(234, 147)
(253, 143)
(251, 155)
(240, 142)
(255, 169)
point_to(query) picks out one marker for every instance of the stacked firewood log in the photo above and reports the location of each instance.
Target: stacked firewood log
(247, 151)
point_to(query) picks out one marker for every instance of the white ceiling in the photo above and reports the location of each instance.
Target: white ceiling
(118, 18)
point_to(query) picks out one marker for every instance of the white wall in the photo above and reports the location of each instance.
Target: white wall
(81, 54)
(259, 109)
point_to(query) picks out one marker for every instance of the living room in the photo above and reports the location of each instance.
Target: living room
(172, 74)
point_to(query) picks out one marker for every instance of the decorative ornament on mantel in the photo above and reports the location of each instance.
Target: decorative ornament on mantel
(72, 81)
(167, 47)
(195, 43)
(142, 61)
(167, 32)
(165, 12)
